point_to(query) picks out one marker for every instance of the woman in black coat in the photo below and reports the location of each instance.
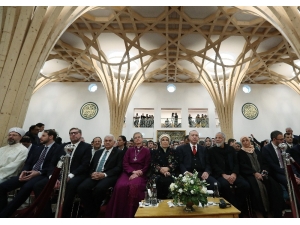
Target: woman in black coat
(266, 194)
(164, 164)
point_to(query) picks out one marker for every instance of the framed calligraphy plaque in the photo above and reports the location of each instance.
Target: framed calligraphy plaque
(250, 111)
(89, 110)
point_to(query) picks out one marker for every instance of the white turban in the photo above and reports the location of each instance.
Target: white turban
(17, 130)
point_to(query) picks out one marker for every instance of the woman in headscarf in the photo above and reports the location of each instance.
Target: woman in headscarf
(266, 194)
(208, 143)
(164, 165)
(130, 187)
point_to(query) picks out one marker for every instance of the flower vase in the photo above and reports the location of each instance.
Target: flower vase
(189, 207)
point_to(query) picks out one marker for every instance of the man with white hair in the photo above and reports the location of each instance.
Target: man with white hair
(225, 169)
(105, 169)
(295, 137)
(12, 155)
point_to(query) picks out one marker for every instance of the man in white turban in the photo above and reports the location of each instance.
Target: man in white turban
(12, 155)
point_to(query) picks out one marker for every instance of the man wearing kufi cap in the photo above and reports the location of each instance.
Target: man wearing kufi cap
(12, 155)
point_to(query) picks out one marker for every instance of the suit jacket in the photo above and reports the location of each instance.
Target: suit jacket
(185, 158)
(271, 158)
(113, 164)
(296, 139)
(35, 155)
(80, 161)
(217, 160)
(32, 150)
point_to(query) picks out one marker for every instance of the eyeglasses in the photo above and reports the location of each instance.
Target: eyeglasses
(73, 133)
(280, 139)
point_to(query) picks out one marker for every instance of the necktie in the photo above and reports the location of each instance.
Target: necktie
(194, 150)
(38, 164)
(101, 164)
(280, 157)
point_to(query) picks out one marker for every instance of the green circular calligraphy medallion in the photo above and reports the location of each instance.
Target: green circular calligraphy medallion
(250, 111)
(89, 110)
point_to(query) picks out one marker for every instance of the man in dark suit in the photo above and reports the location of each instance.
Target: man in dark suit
(79, 167)
(34, 170)
(192, 157)
(33, 134)
(295, 137)
(225, 169)
(26, 141)
(295, 154)
(273, 157)
(105, 169)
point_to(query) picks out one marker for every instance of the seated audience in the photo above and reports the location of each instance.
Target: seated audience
(193, 156)
(295, 152)
(231, 142)
(225, 169)
(164, 165)
(237, 146)
(26, 141)
(35, 170)
(58, 140)
(121, 143)
(13, 155)
(130, 187)
(186, 139)
(175, 144)
(78, 171)
(33, 134)
(41, 127)
(266, 194)
(272, 154)
(97, 142)
(295, 137)
(208, 143)
(105, 169)
(263, 143)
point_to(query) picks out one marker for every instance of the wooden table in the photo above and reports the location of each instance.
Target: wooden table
(164, 211)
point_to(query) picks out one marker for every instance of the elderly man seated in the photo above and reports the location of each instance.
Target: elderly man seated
(12, 155)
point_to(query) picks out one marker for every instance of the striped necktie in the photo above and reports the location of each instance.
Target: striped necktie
(38, 164)
(101, 164)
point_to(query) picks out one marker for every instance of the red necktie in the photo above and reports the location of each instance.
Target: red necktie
(194, 150)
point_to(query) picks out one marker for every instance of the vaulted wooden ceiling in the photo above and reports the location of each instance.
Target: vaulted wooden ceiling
(172, 44)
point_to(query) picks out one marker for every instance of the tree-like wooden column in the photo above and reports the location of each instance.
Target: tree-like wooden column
(119, 89)
(287, 20)
(28, 35)
(223, 87)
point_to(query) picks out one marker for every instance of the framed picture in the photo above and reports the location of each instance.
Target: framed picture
(176, 135)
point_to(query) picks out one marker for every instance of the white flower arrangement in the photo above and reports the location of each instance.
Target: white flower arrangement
(189, 188)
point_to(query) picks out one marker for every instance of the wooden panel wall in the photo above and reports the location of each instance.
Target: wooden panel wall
(28, 35)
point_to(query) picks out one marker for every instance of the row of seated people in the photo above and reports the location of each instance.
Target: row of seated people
(129, 171)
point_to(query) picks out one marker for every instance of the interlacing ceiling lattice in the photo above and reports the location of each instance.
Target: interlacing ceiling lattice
(172, 44)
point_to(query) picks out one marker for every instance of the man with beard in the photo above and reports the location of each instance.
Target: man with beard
(78, 171)
(225, 169)
(12, 155)
(35, 170)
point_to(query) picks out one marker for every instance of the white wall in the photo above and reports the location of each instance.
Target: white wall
(58, 106)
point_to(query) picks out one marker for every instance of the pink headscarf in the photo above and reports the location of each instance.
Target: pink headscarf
(249, 149)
